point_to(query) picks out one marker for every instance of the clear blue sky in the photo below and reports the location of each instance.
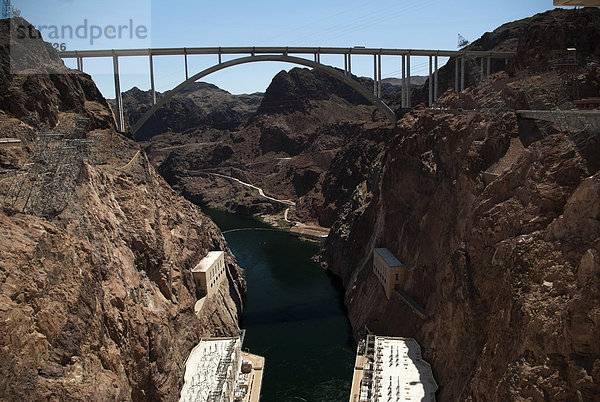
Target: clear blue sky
(425, 24)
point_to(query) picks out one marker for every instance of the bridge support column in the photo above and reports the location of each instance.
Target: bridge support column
(118, 95)
(430, 81)
(435, 79)
(482, 69)
(317, 58)
(80, 64)
(408, 80)
(489, 66)
(377, 75)
(345, 64)
(462, 73)
(379, 94)
(152, 87)
(186, 63)
(456, 72)
(403, 81)
(350, 64)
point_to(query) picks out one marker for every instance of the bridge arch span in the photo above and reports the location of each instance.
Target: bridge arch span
(258, 58)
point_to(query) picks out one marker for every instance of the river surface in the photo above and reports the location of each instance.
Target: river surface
(293, 313)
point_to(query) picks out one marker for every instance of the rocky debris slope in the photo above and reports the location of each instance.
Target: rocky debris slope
(96, 292)
(498, 222)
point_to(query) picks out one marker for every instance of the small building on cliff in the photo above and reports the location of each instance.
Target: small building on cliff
(209, 272)
(391, 369)
(388, 269)
(208, 275)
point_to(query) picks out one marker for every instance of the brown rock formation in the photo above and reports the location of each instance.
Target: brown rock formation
(505, 264)
(96, 292)
(304, 119)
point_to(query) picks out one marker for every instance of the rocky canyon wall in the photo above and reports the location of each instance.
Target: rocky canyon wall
(497, 220)
(96, 292)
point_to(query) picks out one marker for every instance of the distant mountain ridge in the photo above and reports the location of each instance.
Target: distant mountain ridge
(199, 105)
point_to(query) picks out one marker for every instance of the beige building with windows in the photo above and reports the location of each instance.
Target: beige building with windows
(208, 275)
(388, 269)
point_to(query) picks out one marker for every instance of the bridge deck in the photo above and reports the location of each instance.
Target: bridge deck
(280, 50)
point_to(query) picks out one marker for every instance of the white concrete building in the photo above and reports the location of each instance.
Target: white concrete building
(391, 369)
(388, 269)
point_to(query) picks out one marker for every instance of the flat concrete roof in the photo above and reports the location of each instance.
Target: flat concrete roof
(389, 258)
(394, 370)
(201, 368)
(401, 371)
(207, 261)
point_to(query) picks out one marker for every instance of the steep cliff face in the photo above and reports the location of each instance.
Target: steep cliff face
(497, 220)
(96, 292)
(507, 271)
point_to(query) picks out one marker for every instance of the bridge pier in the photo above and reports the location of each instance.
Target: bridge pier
(152, 87)
(481, 68)
(118, 95)
(403, 93)
(408, 79)
(430, 80)
(489, 66)
(462, 73)
(379, 93)
(80, 64)
(350, 64)
(345, 64)
(435, 79)
(186, 63)
(377, 75)
(456, 72)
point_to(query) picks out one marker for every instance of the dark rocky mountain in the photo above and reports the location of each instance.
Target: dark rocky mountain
(96, 292)
(391, 85)
(200, 105)
(303, 119)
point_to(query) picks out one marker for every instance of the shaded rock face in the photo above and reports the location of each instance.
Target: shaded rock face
(97, 299)
(292, 91)
(37, 95)
(506, 268)
(537, 41)
(197, 106)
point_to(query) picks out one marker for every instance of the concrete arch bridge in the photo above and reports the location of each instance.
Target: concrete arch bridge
(292, 55)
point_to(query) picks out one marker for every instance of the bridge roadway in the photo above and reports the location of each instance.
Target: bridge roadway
(284, 54)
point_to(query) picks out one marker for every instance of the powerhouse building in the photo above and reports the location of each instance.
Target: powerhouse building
(390, 369)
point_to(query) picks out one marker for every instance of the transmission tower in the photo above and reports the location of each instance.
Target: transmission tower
(6, 9)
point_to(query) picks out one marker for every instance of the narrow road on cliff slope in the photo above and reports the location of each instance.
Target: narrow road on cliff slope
(260, 191)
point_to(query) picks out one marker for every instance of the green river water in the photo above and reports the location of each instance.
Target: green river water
(293, 313)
